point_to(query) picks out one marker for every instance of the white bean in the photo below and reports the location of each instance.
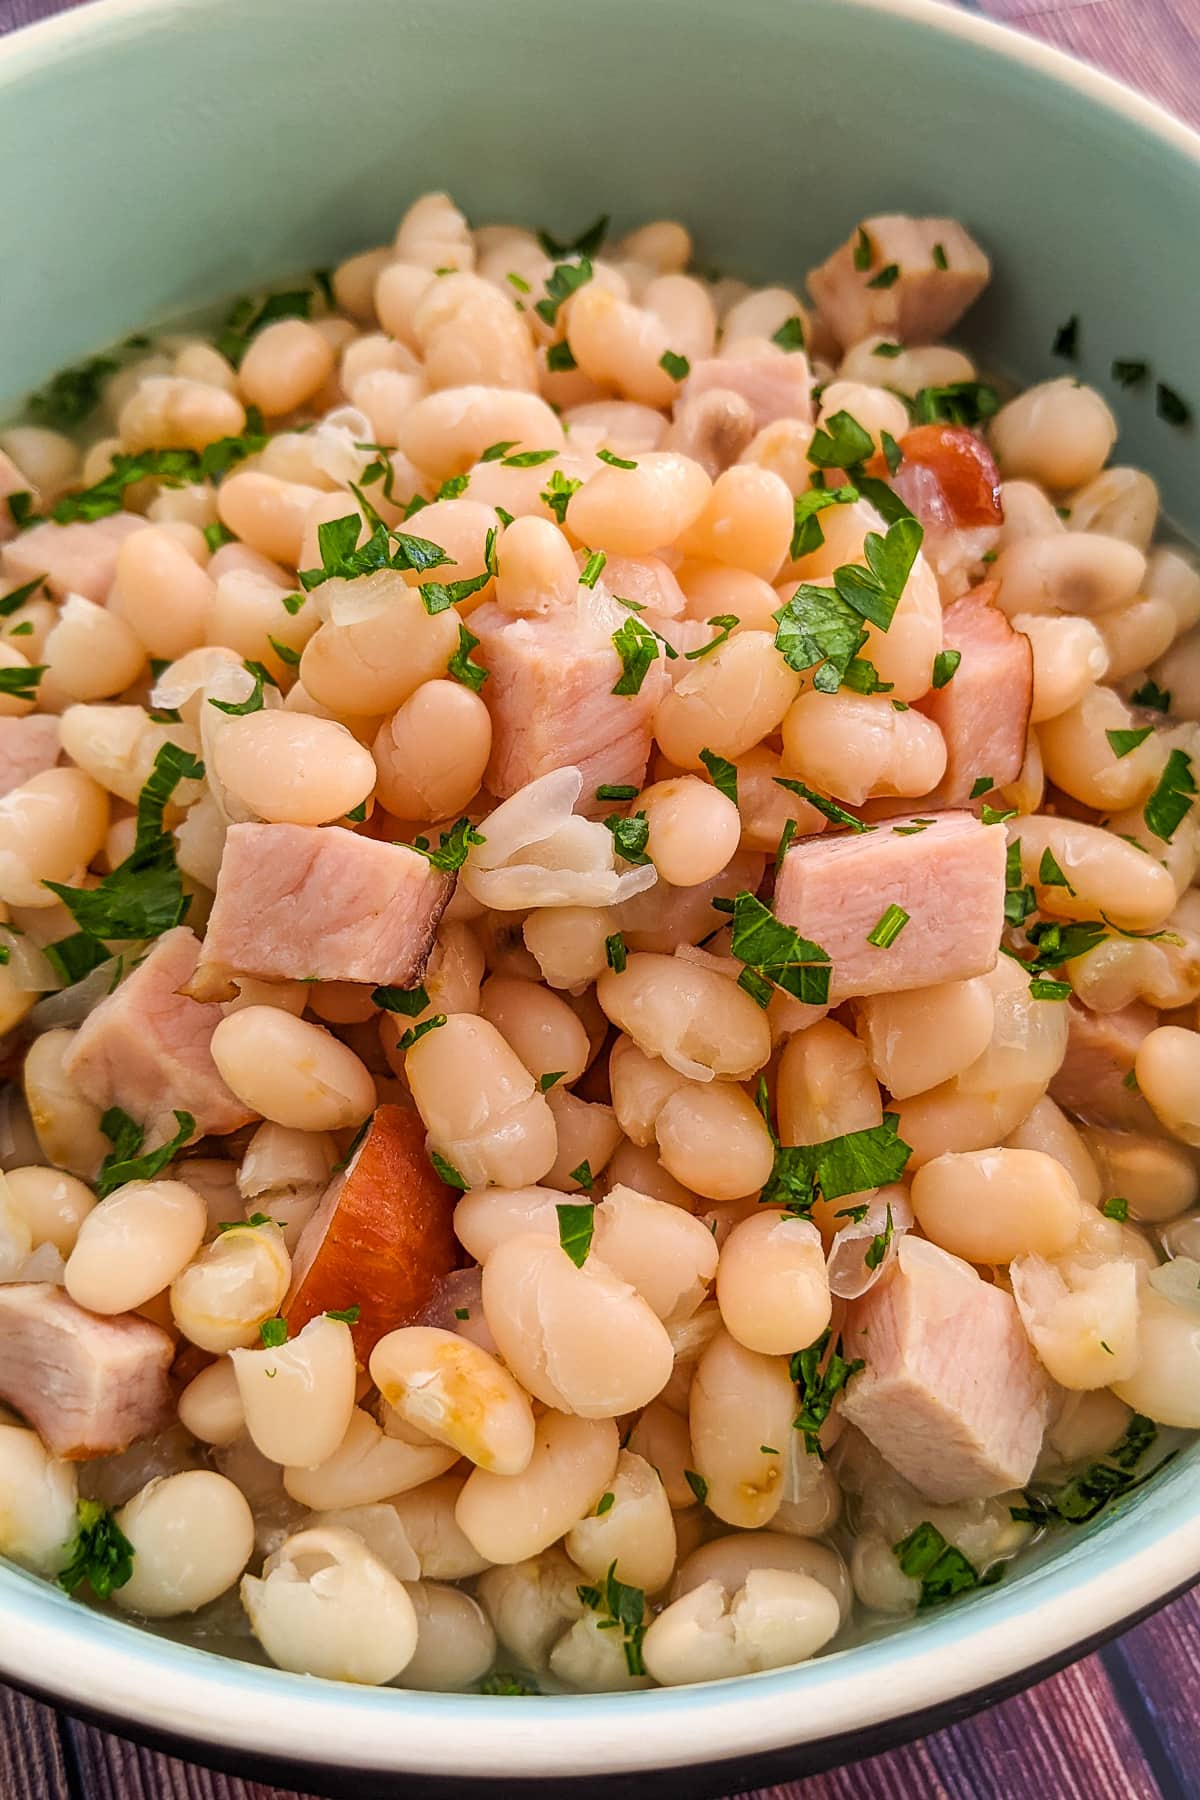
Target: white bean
(325, 1606)
(192, 1535)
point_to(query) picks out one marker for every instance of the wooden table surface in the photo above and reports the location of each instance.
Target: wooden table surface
(1121, 1725)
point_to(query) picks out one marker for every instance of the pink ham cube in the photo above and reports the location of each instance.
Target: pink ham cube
(80, 558)
(146, 1048)
(945, 870)
(28, 746)
(983, 710)
(952, 1394)
(89, 1385)
(552, 705)
(301, 902)
(939, 271)
(1094, 1081)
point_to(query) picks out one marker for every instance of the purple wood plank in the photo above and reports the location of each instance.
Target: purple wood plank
(31, 1757)
(1153, 45)
(112, 1769)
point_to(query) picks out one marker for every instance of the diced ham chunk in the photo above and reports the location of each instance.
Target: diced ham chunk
(983, 710)
(773, 386)
(146, 1047)
(1092, 1082)
(952, 1395)
(551, 700)
(89, 1385)
(80, 558)
(381, 1239)
(12, 481)
(28, 746)
(922, 301)
(301, 901)
(947, 875)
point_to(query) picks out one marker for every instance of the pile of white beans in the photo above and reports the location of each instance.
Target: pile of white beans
(434, 1516)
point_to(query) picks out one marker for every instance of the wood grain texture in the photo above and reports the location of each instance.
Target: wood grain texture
(1123, 1725)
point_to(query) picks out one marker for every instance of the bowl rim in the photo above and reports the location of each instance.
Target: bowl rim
(99, 1663)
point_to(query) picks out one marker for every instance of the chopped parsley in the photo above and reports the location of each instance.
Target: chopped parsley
(216, 534)
(408, 1001)
(123, 1162)
(583, 1176)
(825, 626)
(677, 367)
(99, 1553)
(22, 682)
(807, 534)
(1088, 1493)
(630, 836)
(1050, 874)
(557, 493)
(461, 668)
(1171, 406)
(72, 395)
(697, 1484)
(143, 896)
(1172, 799)
(249, 316)
(725, 623)
(447, 1172)
(850, 1164)
(841, 443)
(1066, 339)
(887, 277)
(890, 350)
(615, 953)
(891, 923)
(925, 1556)
(617, 791)
(604, 1504)
(500, 1682)
(288, 657)
(945, 664)
(1041, 989)
(1117, 1209)
(1149, 694)
(940, 259)
(1122, 742)
(637, 647)
(614, 461)
(1019, 898)
(790, 335)
(983, 784)
(565, 279)
(415, 1033)
(776, 956)
(723, 773)
(17, 597)
(957, 403)
(863, 251)
(548, 1080)
(1130, 373)
(819, 1387)
(453, 849)
(829, 809)
(560, 358)
(528, 459)
(344, 558)
(274, 1333)
(625, 1611)
(592, 569)
(238, 709)
(996, 815)
(348, 1315)
(575, 1227)
(878, 1248)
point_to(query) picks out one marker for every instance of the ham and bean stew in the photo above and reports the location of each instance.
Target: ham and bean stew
(599, 962)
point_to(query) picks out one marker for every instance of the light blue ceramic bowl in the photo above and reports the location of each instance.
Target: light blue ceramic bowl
(164, 153)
